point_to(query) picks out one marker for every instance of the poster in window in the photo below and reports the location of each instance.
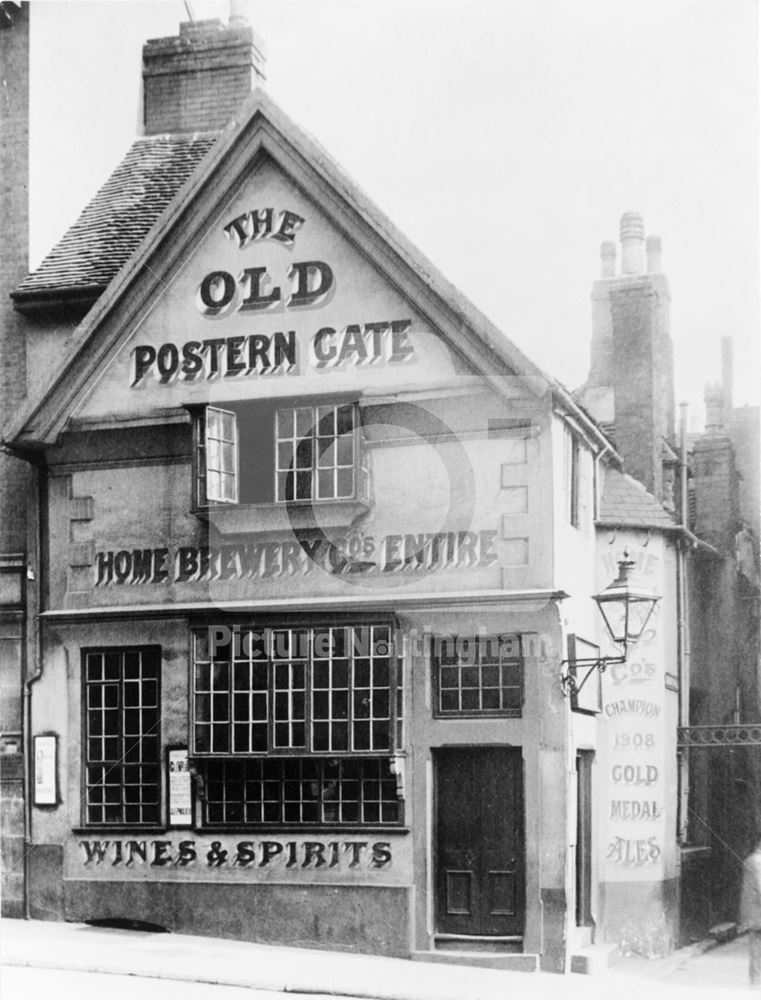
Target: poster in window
(45, 770)
(180, 791)
(586, 694)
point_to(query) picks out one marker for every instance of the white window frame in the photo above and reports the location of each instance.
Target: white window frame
(572, 459)
(221, 455)
(317, 469)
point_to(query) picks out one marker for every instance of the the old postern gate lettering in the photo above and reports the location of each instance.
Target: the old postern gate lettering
(255, 291)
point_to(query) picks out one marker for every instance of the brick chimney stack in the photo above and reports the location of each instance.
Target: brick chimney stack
(631, 378)
(14, 259)
(727, 379)
(715, 477)
(195, 82)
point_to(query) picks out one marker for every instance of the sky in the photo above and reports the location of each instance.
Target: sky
(505, 138)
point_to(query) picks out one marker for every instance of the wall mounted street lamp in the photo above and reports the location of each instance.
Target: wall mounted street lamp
(626, 610)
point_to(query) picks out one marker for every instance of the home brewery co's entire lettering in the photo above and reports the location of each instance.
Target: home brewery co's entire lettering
(257, 291)
(411, 554)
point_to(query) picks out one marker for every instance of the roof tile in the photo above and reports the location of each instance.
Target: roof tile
(121, 214)
(626, 501)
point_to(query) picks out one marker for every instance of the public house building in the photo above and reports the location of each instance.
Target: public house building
(314, 543)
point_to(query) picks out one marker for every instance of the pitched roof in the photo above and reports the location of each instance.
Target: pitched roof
(259, 128)
(625, 501)
(120, 215)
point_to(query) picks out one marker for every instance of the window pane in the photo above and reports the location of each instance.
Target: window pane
(303, 486)
(344, 483)
(345, 418)
(304, 422)
(345, 450)
(285, 424)
(304, 454)
(361, 705)
(326, 484)
(326, 416)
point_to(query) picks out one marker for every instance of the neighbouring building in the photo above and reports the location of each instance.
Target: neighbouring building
(16, 587)
(721, 743)
(708, 488)
(311, 545)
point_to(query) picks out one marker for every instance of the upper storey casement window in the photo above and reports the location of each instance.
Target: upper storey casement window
(317, 453)
(577, 480)
(253, 453)
(218, 464)
(573, 463)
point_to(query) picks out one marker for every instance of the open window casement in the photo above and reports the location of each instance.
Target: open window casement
(586, 480)
(221, 455)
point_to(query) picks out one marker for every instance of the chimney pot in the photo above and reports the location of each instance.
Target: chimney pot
(714, 400)
(653, 250)
(239, 14)
(632, 232)
(727, 379)
(608, 259)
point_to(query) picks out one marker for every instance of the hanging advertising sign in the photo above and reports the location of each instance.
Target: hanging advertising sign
(586, 693)
(45, 770)
(180, 787)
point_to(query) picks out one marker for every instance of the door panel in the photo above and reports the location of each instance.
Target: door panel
(460, 893)
(479, 841)
(584, 761)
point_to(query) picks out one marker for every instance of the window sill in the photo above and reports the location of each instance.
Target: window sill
(247, 829)
(454, 716)
(305, 830)
(271, 518)
(143, 831)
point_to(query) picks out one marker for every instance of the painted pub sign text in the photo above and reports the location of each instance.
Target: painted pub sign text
(259, 291)
(288, 854)
(428, 553)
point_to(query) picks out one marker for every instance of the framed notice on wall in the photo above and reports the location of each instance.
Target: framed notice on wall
(586, 694)
(45, 770)
(179, 786)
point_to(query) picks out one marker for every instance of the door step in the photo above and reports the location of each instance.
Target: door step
(477, 943)
(510, 962)
(582, 937)
(594, 958)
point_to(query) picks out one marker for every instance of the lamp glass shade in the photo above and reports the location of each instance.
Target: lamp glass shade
(626, 609)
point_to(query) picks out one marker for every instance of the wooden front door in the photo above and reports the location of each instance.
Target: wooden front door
(479, 841)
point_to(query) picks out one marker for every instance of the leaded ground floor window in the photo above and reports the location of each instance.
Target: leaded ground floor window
(295, 790)
(327, 690)
(121, 690)
(297, 725)
(477, 675)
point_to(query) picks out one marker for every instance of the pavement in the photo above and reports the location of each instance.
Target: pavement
(697, 973)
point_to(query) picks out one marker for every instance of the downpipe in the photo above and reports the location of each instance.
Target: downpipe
(31, 655)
